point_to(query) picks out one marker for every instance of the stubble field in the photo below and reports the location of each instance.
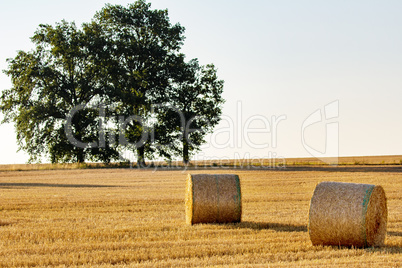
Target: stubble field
(129, 217)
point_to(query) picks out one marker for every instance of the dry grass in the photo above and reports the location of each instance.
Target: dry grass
(69, 166)
(104, 217)
(351, 160)
(275, 163)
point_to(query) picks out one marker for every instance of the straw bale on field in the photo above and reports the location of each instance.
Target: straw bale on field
(213, 198)
(348, 214)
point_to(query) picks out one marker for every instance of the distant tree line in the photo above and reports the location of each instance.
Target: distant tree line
(117, 83)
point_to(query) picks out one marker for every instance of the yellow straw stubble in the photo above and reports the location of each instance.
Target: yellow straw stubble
(213, 198)
(348, 214)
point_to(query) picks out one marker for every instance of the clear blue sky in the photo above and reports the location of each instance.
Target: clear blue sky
(282, 59)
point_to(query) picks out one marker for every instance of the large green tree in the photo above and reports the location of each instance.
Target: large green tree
(192, 109)
(143, 51)
(48, 83)
(119, 82)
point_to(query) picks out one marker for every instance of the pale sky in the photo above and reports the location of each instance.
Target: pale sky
(281, 62)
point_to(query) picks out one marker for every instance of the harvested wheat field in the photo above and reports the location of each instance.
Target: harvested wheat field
(129, 217)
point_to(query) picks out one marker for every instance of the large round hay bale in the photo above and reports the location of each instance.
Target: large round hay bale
(213, 198)
(348, 214)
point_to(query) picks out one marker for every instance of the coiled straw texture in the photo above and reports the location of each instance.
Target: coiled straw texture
(213, 198)
(348, 214)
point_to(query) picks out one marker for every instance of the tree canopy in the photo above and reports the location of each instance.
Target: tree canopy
(48, 82)
(119, 82)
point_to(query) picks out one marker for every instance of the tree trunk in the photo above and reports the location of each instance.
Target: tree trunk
(141, 157)
(80, 155)
(186, 158)
(79, 152)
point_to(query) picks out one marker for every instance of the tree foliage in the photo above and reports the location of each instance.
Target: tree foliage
(192, 107)
(118, 83)
(143, 48)
(48, 82)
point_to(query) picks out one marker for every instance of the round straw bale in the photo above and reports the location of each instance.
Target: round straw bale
(348, 214)
(213, 198)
